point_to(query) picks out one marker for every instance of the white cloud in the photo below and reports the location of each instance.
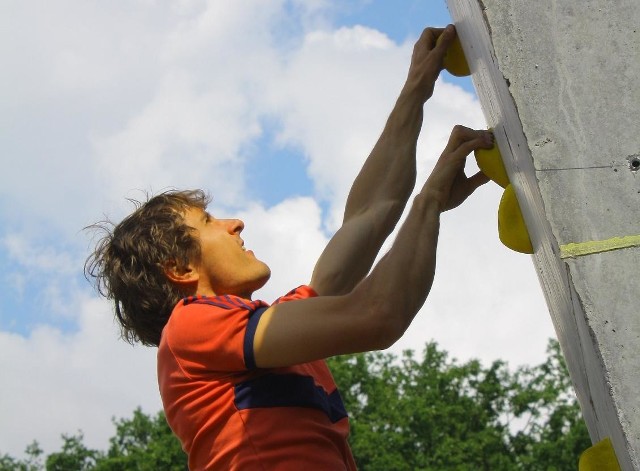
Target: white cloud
(289, 238)
(334, 95)
(38, 274)
(31, 255)
(57, 382)
(180, 138)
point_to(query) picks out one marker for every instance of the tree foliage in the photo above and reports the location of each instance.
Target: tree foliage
(407, 413)
(432, 413)
(142, 443)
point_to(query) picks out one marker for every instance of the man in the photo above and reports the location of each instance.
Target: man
(244, 383)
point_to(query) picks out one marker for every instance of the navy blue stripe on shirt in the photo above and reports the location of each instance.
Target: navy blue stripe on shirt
(239, 302)
(211, 302)
(249, 334)
(224, 302)
(288, 390)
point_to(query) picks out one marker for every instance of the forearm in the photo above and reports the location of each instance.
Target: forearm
(389, 173)
(380, 191)
(399, 284)
(376, 201)
(401, 281)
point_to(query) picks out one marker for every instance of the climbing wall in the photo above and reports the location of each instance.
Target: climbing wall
(559, 81)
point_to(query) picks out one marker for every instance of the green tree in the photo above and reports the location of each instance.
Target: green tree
(555, 434)
(143, 443)
(436, 414)
(74, 456)
(32, 461)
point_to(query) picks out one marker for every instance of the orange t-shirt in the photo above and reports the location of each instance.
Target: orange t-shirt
(230, 415)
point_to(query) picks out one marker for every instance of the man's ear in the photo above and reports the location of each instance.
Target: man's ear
(180, 274)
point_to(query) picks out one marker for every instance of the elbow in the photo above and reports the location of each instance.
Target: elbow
(389, 328)
(385, 322)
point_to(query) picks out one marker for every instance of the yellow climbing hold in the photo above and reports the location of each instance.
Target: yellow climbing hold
(490, 163)
(512, 229)
(600, 457)
(454, 60)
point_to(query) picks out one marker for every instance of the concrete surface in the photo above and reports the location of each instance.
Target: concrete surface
(558, 81)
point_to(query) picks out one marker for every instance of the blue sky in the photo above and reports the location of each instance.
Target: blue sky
(270, 105)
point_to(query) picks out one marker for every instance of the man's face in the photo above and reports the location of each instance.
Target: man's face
(225, 266)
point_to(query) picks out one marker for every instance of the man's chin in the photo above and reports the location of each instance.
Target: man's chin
(259, 282)
(267, 272)
(265, 278)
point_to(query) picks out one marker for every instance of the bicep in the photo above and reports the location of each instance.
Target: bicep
(301, 331)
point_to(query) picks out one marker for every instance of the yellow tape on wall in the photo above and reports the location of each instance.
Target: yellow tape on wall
(598, 246)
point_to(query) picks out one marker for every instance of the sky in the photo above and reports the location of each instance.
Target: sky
(270, 105)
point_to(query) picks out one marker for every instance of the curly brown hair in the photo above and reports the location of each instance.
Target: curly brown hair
(127, 265)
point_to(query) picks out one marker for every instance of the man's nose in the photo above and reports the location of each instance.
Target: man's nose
(235, 226)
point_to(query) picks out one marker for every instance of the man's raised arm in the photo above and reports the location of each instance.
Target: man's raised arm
(381, 189)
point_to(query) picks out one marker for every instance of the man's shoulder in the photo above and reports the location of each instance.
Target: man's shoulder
(224, 302)
(205, 312)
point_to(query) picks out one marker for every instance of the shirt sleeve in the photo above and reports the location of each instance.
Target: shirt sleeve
(205, 338)
(210, 335)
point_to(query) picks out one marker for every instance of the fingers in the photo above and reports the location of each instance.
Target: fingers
(445, 37)
(436, 36)
(427, 59)
(448, 183)
(464, 187)
(431, 37)
(464, 140)
(476, 181)
(436, 39)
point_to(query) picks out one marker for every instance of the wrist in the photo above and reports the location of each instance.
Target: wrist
(415, 91)
(431, 202)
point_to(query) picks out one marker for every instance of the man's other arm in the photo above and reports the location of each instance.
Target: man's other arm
(380, 191)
